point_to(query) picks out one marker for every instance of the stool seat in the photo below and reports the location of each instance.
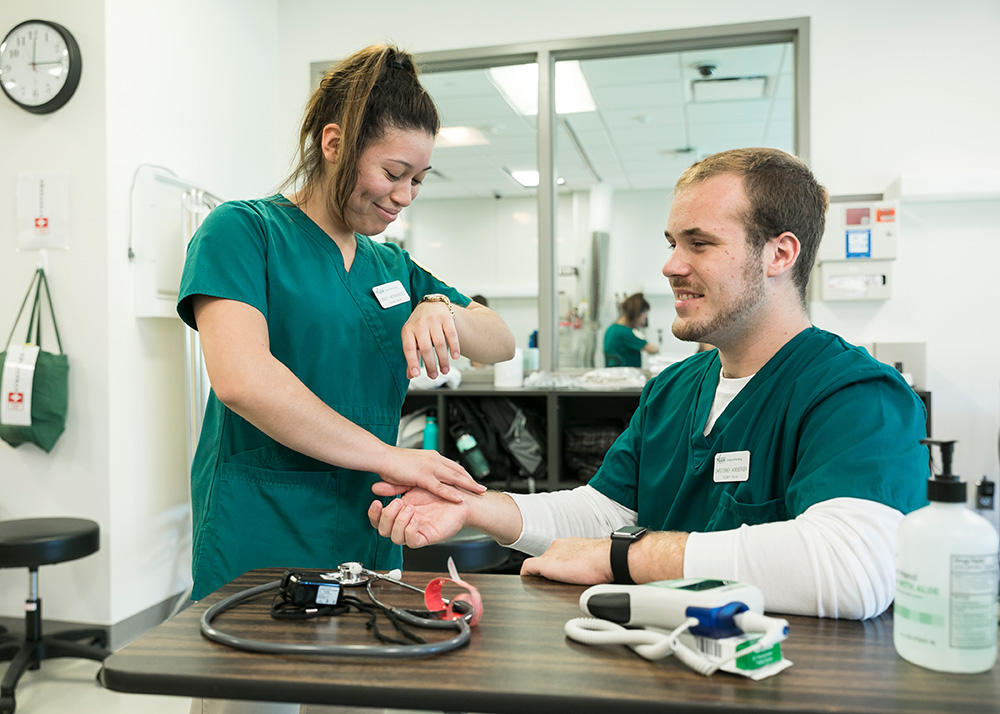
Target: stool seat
(472, 550)
(30, 542)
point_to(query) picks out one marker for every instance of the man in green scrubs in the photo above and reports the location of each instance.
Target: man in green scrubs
(785, 457)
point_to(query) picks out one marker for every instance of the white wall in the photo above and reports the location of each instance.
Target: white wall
(72, 479)
(202, 108)
(187, 85)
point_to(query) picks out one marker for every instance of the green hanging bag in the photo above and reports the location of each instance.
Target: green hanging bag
(50, 383)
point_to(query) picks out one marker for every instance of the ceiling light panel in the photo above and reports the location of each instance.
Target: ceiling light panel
(519, 86)
(449, 136)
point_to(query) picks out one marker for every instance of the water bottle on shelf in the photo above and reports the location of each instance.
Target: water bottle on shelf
(431, 432)
(473, 456)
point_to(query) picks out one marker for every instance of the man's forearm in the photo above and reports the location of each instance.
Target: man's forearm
(496, 514)
(658, 556)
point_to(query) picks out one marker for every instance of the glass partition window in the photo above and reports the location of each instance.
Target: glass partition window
(654, 115)
(475, 224)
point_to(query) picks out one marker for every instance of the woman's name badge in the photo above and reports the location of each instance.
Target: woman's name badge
(390, 294)
(732, 466)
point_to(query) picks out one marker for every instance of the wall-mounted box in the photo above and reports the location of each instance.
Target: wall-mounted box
(856, 253)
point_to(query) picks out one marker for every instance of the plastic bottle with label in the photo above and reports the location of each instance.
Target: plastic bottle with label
(431, 432)
(474, 458)
(945, 613)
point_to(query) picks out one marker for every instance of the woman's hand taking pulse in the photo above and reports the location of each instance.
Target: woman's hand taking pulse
(418, 518)
(404, 469)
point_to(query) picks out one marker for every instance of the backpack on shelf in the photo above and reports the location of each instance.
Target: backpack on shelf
(510, 439)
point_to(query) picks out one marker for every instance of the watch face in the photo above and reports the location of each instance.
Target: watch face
(629, 532)
(39, 65)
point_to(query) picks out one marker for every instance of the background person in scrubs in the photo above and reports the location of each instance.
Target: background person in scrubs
(784, 458)
(624, 340)
(311, 331)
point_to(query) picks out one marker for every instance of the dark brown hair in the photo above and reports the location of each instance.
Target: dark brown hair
(633, 306)
(370, 92)
(782, 195)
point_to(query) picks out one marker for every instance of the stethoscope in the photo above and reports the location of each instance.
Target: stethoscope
(347, 575)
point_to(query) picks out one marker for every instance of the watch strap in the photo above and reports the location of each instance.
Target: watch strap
(619, 561)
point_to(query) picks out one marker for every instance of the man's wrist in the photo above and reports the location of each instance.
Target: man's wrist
(494, 513)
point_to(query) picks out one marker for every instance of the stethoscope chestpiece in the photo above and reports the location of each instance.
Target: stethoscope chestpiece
(349, 575)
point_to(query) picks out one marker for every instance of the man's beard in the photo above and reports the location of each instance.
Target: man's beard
(729, 318)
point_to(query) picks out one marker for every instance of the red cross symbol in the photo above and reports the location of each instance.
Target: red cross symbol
(15, 400)
(41, 222)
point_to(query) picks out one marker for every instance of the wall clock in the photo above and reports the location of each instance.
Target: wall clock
(40, 65)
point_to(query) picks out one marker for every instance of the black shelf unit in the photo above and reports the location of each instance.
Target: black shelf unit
(562, 409)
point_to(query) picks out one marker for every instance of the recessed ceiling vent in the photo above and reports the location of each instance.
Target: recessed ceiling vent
(728, 89)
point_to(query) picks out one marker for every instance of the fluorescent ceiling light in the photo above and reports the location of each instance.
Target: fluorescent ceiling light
(461, 136)
(529, 177)
(728, 89)
(519, 86)
(526, 177)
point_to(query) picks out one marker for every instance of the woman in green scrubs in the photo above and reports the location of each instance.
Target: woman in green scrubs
(311, 332)
(624, 341)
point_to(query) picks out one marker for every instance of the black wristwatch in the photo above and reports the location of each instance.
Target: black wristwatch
(621, 540)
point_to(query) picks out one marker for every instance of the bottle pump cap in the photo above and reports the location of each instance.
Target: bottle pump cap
(944, 487)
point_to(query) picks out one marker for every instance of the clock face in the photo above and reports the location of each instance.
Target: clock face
(39, 66)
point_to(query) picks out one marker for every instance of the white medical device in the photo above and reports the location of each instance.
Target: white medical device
(666, 603)
(659, 613)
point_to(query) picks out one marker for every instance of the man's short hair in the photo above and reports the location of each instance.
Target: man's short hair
(782, 194)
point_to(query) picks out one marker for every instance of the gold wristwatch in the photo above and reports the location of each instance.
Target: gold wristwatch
(438, 297)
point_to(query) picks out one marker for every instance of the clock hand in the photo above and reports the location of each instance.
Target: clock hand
(34, 46)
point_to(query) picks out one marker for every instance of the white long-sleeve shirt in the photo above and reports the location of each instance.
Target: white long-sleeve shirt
(837, 559)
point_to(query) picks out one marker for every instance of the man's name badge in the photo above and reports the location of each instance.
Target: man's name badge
(732, 466)
(390, 294)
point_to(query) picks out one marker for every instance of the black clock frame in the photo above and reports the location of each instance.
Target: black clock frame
(72, 78)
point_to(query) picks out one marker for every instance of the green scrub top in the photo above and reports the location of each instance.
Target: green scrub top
(256, 503)
(822, 419)
(623, 346)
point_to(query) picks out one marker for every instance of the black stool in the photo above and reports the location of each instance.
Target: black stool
(28, 543)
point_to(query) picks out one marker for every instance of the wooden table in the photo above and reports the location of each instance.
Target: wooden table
(519, 660)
